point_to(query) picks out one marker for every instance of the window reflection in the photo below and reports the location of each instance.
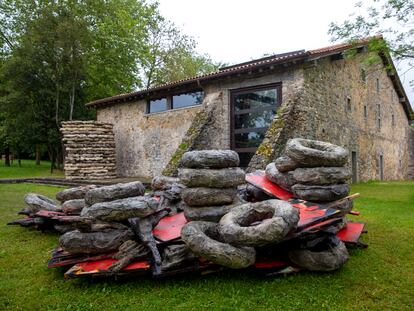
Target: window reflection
(255, 99)
(253, 111)
(157, 105)
(187, 99)
(254, 119)
(248, 140)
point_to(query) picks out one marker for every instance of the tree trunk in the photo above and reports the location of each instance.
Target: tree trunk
(57, 107)
(37, 154)
(71, 102)
(19, 161)
(51, 152)
(7, 156)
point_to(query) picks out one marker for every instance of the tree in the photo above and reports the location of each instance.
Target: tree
(391, 18)
(172, 56)
(55, 55)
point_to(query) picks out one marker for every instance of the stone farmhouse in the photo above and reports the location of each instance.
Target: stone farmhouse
(256, 106)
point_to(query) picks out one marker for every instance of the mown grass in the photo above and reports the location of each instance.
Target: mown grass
(27, 169)
(378, 278)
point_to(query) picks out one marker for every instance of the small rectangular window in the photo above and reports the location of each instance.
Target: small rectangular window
(348, 104)
(378, 86)
(187, 99)
(392, 120)
(365, 112)
(363, 75)
(381, 167)
(379, 109)
(157, 105)
(379, 123)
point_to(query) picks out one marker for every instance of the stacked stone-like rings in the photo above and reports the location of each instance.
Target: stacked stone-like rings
(313, 170)
(211, 177)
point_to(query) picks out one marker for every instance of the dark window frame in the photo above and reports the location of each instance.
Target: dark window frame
(277, 86)
(169, 98)
(182, 93)
(148, 110)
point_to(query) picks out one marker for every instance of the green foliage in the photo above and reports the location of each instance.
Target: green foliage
(391, 18)
(56, 55)
(377, 278)
(171, 56)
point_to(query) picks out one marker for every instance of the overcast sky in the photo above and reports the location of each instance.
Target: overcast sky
(233, 31)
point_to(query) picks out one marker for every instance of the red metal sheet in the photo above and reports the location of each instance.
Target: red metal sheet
(258, 179)
(61, 260)
(103, 266)
(169, 228)
(351, 232)
(265, 263)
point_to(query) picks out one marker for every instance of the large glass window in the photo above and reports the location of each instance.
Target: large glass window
(157, 105)
(187, 99)
(253, 110)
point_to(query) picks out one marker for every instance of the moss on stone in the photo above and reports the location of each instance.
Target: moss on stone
(189, 140)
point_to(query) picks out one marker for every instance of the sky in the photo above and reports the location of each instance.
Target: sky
(233, 31)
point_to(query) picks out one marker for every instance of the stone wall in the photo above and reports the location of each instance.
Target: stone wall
(336, 105)
(90, 150)
(145, 142)
(325, 99)
(410, 170)
(151, 144)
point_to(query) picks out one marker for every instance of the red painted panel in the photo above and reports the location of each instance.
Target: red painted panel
(351, 232)
(258, 179)
(169, 228)
(104, 264)
(264, 263)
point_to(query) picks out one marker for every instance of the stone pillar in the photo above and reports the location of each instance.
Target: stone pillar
(90, 150)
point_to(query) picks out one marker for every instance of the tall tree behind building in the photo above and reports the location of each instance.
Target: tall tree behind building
(56, 55)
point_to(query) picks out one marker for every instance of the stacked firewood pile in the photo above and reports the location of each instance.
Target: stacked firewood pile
(212, 178)
(121, 229)
(90, 148)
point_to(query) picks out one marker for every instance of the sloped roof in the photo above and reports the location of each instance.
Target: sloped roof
(265, 62)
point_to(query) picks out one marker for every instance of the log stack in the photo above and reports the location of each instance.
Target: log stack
(211, 177)
(90, 150)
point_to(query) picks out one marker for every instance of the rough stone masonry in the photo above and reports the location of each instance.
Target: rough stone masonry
(90, 150)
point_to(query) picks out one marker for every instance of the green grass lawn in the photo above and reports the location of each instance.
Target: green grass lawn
(28, 169)
(379, 278)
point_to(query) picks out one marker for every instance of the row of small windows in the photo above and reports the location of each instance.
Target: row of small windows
(175, 101)
(349, 108)
(363, 76)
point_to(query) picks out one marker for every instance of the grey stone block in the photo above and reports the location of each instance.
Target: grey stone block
(208, 196)
(320, 193)
(114, 192)
(122, 209)
(258, 224)
(76, 242)
(210, 159)
(203, 240)
(221, 178)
